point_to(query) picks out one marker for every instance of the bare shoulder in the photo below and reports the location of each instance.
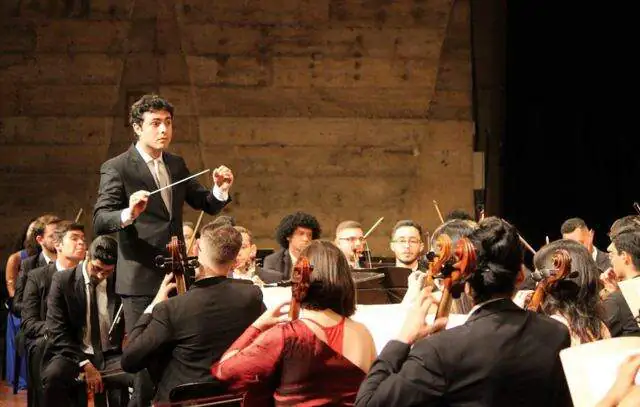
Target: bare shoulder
(358, 328)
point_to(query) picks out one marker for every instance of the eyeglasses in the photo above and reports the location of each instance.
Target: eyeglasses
(411, 242)
(352, 239)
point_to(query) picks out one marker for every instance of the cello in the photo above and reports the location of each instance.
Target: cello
(300, 282)
(454, 272)
(178, 263)
(549, 278)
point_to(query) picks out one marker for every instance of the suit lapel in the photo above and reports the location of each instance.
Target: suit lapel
(141, 168)
(287, 264)
(80, 292)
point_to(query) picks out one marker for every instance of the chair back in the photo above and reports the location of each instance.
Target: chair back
(203, 394)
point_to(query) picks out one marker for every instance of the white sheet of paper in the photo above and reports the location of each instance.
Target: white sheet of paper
(631, 292)
(383, 320)
(592, 368)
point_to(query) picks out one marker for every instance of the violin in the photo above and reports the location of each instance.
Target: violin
(178, 263)
(300, 282)
(561, 269)
(454, 272)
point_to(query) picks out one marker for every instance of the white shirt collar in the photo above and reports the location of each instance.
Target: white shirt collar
(146, 157)
(594, 253)
(59, 266)
(294, 259)
(482, 304)
(46, 258)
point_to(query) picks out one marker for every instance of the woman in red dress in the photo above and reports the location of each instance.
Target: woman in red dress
(317, 360)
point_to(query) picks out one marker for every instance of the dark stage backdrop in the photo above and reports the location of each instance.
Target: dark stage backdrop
(572, 117)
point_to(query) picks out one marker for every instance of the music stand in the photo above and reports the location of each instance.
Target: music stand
(389, 288)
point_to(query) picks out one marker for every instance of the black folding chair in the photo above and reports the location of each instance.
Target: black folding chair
(203, 394)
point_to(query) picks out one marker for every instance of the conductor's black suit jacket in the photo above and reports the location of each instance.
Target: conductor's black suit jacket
(146, 238)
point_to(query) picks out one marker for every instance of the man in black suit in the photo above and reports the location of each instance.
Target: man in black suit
(70, 246)
(81, 306)
(145, 223)
(576, 229)
(294, 233)
(43, 231)
(178, 339)
(625, 259)
(502, 356)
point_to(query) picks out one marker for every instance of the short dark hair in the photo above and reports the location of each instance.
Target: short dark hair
(41, 223)
(347, 224)
(499, 259)
(331, 284)
(455, 229)
(246, 231)
(295, 220)
(223, 220)
(575, 297)
(148, 103)
(458, 214)
(64, 226)
(628, 241)
(407, 223)
(625, 223)
(105, 249)
(569, 225)
(225, 242)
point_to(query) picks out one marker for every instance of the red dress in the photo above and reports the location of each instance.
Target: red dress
(288, 365)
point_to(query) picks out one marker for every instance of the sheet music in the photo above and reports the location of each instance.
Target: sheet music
(631, 292)
(592, 368)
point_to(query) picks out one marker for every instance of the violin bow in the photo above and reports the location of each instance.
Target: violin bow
(78, 216)
(195, 230)
(435, 204)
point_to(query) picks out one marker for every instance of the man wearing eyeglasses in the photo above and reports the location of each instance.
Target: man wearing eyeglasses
(350, 240)
(407, 244)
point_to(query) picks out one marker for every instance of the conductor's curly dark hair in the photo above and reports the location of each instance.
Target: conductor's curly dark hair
(291, 222)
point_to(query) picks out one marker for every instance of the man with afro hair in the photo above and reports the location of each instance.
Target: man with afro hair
(293, 234)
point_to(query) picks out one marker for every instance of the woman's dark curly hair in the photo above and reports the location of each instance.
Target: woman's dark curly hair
(291, 222)
(577, 297)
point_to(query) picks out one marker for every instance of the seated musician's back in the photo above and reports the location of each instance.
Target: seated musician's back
(179, 338)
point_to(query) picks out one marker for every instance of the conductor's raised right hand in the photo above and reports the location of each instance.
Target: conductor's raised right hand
(138, 203)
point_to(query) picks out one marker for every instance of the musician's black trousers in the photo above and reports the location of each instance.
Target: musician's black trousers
(60, 387)
(133, 307)
(35, 350)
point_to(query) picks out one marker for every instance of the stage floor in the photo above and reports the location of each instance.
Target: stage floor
(8, 399)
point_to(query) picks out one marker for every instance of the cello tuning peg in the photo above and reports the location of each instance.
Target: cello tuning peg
(160, 261)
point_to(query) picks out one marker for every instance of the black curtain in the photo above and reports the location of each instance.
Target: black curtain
(572, 116)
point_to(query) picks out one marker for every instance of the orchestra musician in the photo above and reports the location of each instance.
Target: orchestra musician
(294, 233)
(82, 303)
(350, 240)
(178, 338)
